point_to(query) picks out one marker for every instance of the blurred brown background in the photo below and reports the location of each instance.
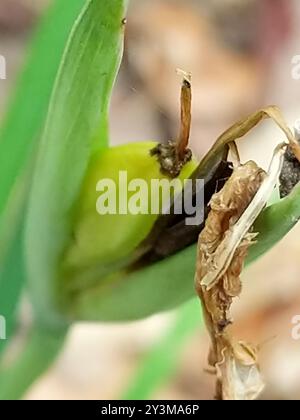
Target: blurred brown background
(239, 53)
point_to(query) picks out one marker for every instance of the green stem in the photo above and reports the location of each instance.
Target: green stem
(40, 351)
(274, 223)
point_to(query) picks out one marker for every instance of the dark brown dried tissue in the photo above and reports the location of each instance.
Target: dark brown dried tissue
(222, 249)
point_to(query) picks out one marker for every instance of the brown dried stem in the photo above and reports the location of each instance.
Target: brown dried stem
(174, 155)
(186, 115)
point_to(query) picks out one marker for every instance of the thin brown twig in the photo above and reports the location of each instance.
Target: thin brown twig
(186, 114)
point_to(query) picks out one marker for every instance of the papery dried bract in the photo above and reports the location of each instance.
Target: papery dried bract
(238, 375)
(227, 206)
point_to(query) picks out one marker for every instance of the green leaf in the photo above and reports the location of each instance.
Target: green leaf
(127, 297)
(22, 126)
(274, 224)
(83, 87)
(78, 108)
(12, 278)
(19, 137)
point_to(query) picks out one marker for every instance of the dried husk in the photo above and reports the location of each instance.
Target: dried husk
(237, 372)
(222, 249)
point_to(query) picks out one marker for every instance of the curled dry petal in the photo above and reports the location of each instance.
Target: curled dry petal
(222, 249)
(237, 375)
(240, 377)
(227, 206)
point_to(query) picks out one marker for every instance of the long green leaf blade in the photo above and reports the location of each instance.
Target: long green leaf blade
(274, 224)
(78, 107)
(19, 136)
(22, 126)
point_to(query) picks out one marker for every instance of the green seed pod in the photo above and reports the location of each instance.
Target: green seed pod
(105, 239)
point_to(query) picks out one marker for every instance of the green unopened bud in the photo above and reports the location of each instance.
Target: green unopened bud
(123, 193)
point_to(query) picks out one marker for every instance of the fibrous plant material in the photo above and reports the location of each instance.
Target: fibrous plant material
(222, 249)
(227, 206)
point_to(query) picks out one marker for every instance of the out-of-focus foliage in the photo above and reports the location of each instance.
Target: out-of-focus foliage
(19, 137)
